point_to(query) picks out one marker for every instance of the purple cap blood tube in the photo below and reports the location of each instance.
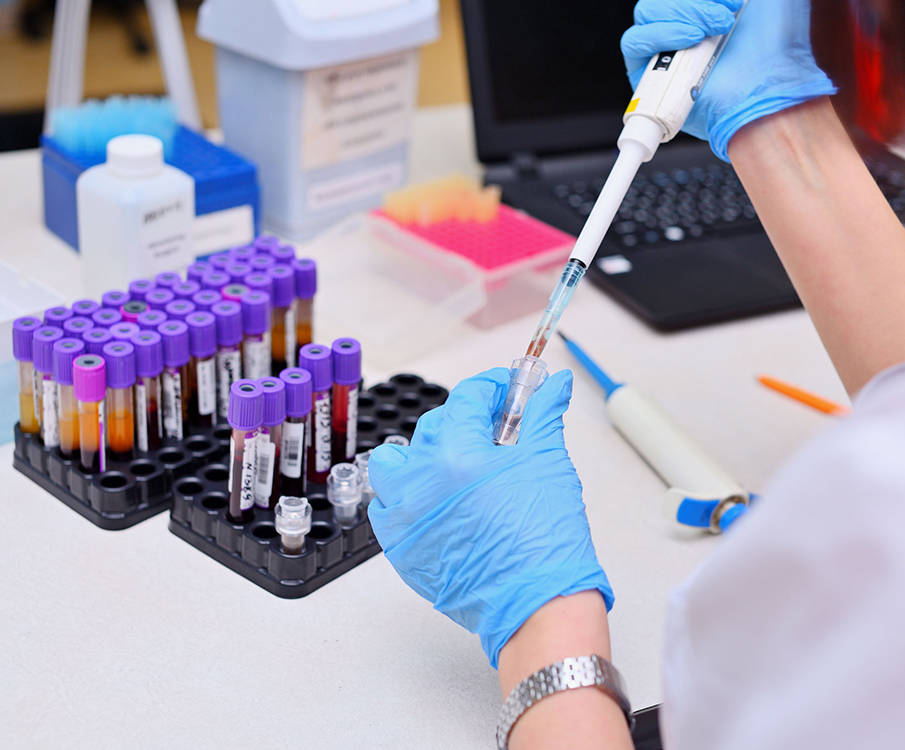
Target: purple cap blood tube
(124, 331)
(274, 401)
(298, 391)
(132, 309)
(242, 253)
(55, 316)
(265, 242)
(175, 335)
(186, 289)
(42, 347)
(65, 352)
(158, 299)
(237, 271)
(233, 292)
(283, 254)
(120, 358)
(206, 299)
(150, 319)
(179, 308)
(283, 280)
(202, 334)
(256, 312)
(229, 323)
(148, 354)
(305, 277)
(220, 261)
(77, 326)
(215, 280)
(85, 307)
(317, 359)
(114, 298)
(106, 317)
(167, 279)
(23, 333)
(89, 378)
(262, 263)
(96, 339)
(197, 270)
(260, 280)
(246, 405)
(139, 288)
(346, 361)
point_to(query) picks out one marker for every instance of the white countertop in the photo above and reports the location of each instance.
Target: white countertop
(134, 638)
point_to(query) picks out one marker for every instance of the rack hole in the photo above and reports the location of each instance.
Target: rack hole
(223, 432)
(189, 486)
(433, 391)
(198, 444)
(366, 424)
(366, 400)
(142, 468)
(384, 390)
(366, 445)
(321, 531)
(216, 473)
(264, 531)
(214, 501)
(409, 401)
(408, 424)
(170, 456)
(319, 502)
(387, 412)
(114, 480)
(406, 379)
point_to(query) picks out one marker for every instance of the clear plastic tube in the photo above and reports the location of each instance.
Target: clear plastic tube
(202, 391)
(304, 323)
(344, 493)
(148, 414)
(120, 423)
(367, 491)
(292, 519)
(320, 438)
(292, 456)
(69, 422)
(525, 376)
(91, 436)
(283, 339)
(229, 370)
(175, 401)
(242, 464)
(28, 419)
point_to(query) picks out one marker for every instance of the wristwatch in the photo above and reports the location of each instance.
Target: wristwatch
(568, 674)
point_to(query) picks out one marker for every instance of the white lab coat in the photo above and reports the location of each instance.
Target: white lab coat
(792, 635)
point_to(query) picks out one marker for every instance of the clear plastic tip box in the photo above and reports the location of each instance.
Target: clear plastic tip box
(320, 94)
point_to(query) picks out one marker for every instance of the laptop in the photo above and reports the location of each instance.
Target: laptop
(548, 89)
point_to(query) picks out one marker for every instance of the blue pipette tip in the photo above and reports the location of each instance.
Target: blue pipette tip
(609, 385)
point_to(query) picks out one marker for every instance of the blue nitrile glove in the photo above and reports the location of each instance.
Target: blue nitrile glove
(487, 533)
(767, 65)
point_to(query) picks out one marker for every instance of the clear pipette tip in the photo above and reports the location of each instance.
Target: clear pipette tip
(556, 305)
(525, 376)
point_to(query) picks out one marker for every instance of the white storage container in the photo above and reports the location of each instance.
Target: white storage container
(320, 94)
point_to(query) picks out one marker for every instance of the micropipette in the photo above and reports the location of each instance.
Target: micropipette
(656, 113)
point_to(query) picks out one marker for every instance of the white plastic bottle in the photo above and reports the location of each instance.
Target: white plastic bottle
(135, 215)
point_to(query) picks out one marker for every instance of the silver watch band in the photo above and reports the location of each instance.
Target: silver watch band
(568, 674)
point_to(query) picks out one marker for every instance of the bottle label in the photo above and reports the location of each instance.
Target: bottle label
(321, 437)
(292, 449)
(266, 450)
(141, 416)
(207, 387)
(229, 367)
(352, 423)
(164, 236)
(290, 338)
(50, 426)
(257, 357)
(172, 405)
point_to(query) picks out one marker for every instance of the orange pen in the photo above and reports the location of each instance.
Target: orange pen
(805, 397)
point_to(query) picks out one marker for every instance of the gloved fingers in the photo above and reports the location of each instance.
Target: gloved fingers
(543, 414)
(384, 461)
(640, 43)
(469, 411)
(428, 428)
(714, 17)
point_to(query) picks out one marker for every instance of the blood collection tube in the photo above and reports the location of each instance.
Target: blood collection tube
(215, 279)
(246, 410)
(46, 392)
(89, 382)
(259, 280)
(367, 491)
(124, 331)
(85, 307)
(220, 261)
(106, 317)
(242, 253)
(197, 270)
(120, 359)
(150, 319)
(282, 254)
(282, 332)
(233, 292)
(23, 351)
(292, 520)
(158, 299)
(295, 429)
(65, 352)
(132, 309)
(206, 299)
(316, 359)
(346, 376)
(114, 299)
(263, 243)
(202, 368)
(148, 414)
(344, 493)
(256, 327)
(267, 487)
(175, 378)
(77, 326)
(179, 309)
(186, 289)
(139, 289)
(228, 316)
(56, 316)
(261, 263)
(96, 339)
(237, 271)
(305, 288)
(167, 279)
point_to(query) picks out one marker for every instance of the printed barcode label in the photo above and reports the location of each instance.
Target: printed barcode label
(321, 429)
(207, 387)
(172, 405)
(229, 365)
(352, 424)
(36, 391)
(50, 427)
(290, 339)
(264, 469)
(141, 416)
(249, 466)
(291, 449)
(257, 357)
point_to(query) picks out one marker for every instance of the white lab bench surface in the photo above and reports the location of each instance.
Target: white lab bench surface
(135, 639)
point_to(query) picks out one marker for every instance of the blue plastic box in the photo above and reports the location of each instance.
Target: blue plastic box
(226, 190)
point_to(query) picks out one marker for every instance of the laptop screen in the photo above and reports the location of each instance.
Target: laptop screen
(546, 76)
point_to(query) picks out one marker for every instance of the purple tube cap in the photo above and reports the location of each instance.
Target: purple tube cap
(115, 299)
(274, 400)
(65, 352)
(132, 309)
(140, 287)
(123, 331)
(202, 334)
(228, 315)
(167, 279)
(262, 263)
(186, 289)
(259, 280)
(206, 299)
(237, 271)
(256, 312)
(148, 354)
(23, 333)
(298, 391)
(175, 335)
(242, 253)
(89, 378)
(283, 280)
(179, 308)
(120, 359)
(197, 270)
(220, 261)
(283, 254)
(42, 347)
(158, 299)
(150, 319)
(233, 292)
(265, 242)
(215, 280)
(106, 317)
(85, 307)
(346, 361)
(77, 326)
(55, 316)
(96, 339)
(246, 405)
(305, 277)
(317, 359)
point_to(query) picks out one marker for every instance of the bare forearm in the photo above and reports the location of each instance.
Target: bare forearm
(582, 719)
(840, 242)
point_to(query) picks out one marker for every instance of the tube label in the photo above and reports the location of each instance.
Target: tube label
(101, 432)
(229, 370)
(352, 423)
(257, 357)
(50, 426)
(292, 449)
(266, 451)
(36, 379)
(249, 460)
(321, 438)
(290, 339)
(141, 416)
(207, 387)
(172, 405)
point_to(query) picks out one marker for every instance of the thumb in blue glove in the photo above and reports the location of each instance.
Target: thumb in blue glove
(487, 533)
